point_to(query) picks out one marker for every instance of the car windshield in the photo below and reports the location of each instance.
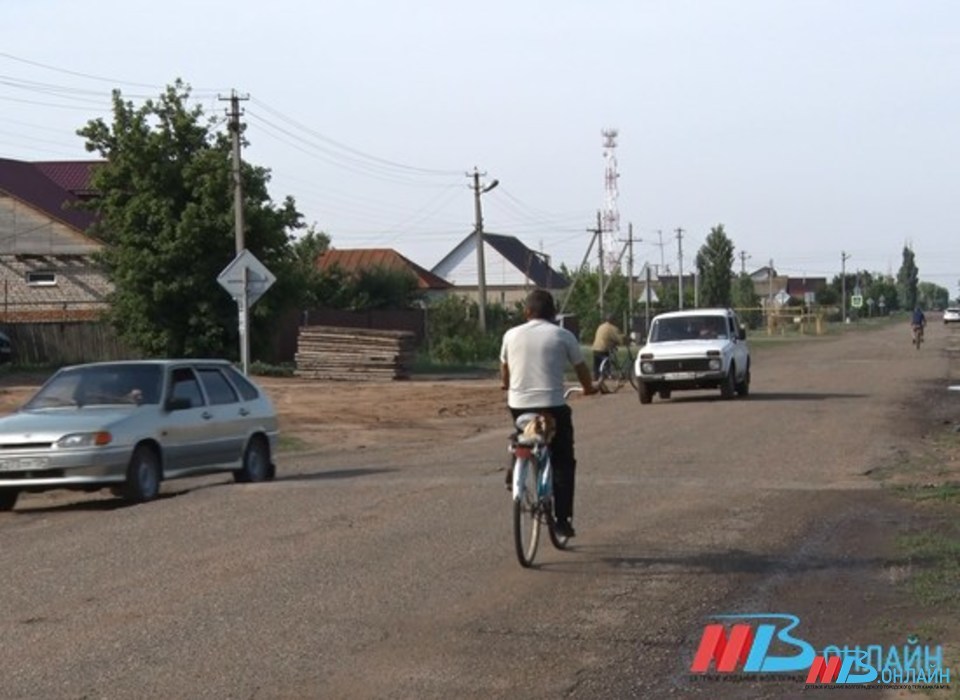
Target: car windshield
(688, 328)
(100, 385)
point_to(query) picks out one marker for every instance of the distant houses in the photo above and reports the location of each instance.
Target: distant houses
(47, 267)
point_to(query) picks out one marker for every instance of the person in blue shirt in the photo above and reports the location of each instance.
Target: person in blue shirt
(918, 322)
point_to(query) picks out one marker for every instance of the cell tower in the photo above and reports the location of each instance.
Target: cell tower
(610, 218)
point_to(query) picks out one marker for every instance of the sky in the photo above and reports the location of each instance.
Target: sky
(807, 128)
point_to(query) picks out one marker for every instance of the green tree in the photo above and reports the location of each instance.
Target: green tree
(165, 213)
(382, 288)
(908, 279)
(715, 267)
(745, 298)
(313, 284)
(933, 296)
(583, 299)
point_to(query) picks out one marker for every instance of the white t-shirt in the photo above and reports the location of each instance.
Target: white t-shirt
(538, 353)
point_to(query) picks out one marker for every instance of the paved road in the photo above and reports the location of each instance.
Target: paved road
(392, 574)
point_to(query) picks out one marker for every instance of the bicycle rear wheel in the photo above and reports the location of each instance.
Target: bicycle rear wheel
(610, 379)
(526, 520)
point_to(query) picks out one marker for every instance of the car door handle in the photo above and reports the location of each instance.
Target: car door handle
(244, 412)
(207, 415)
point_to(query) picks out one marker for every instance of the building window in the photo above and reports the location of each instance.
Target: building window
(41, 278)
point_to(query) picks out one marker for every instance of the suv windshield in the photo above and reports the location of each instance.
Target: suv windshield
(688, 328)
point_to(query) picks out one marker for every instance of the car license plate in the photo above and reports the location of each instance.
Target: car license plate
(23, 463)
(680, 376)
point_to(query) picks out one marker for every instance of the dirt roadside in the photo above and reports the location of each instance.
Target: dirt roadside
(329, 416)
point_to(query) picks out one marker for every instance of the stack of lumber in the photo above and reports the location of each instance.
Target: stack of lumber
(357, 354)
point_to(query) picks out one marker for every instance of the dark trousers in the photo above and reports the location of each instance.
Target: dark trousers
(561, 457)
(598, 358)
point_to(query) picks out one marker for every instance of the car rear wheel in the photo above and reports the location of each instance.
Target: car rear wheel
(645, 391)
(728, 388)
(256, 463)
(8, 498)
(143, 475)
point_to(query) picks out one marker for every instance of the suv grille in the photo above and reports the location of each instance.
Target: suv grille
(693, 364)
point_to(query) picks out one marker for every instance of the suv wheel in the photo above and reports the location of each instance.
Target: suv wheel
(743, 387)
(645, 391)
(728, 388)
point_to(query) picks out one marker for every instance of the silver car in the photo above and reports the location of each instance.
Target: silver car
(130, 425)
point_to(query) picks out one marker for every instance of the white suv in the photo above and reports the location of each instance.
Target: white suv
(696, 349)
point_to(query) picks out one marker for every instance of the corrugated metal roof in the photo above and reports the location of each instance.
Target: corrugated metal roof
(27, 183)
(527, 261)
(354, 259)
(71, 175)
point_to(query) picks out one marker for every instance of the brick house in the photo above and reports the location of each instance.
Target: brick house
(47, 271)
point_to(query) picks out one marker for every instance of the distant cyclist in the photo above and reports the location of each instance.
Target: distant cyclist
(605, 342)
(918, 322)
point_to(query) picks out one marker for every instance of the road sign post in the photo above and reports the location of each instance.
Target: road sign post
(246, 279)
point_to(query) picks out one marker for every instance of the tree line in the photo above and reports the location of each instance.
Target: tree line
(164, 210)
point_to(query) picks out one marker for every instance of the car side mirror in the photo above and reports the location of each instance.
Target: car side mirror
(177, 404)
(742, 333)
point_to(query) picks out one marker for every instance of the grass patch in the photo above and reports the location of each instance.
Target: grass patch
(424, 364)
(262, 369)
(290, 443)
(936, 556)
(946, 493)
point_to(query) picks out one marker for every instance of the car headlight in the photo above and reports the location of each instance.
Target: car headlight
(646, 367)
(715, 364)
(98, 438)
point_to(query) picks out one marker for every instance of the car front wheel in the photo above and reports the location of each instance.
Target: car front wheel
(743, 386)
(728, 388)
(645, 391)
(8, 499)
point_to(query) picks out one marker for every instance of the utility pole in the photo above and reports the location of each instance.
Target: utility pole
(843, 286)
(743, 262)
(235, 129)
(599, 234)
(478, 235)
(680, 260)
(630, 241)
(663, 264)
(646, 313)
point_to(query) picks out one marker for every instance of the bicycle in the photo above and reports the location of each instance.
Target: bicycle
(533, 490)
(917, 336)
(614, 373)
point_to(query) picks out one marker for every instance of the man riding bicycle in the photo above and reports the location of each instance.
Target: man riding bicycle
(533, 359)
(918, 322)
(605, 341)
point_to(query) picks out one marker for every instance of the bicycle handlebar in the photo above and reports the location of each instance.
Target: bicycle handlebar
(576, 390)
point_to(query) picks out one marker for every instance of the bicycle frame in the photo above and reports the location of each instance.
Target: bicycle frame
(538, 457)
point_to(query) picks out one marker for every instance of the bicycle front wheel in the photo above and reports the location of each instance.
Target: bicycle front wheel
(526, 520)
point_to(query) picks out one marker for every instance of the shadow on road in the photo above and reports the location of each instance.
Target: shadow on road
(337, 474)
(771, 396)
(95, 505)
(731, 561)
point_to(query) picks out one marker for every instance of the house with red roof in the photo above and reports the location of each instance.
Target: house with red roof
(352, 260)
(47, 270)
